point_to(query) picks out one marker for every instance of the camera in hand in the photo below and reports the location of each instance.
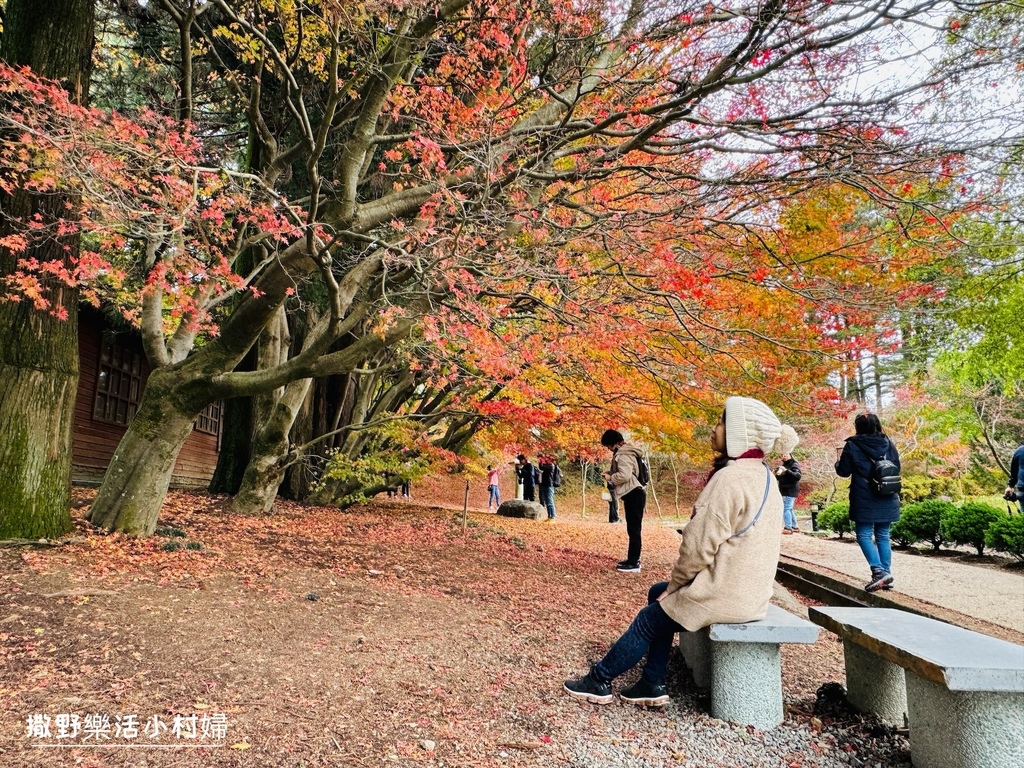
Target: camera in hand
(1010, 495)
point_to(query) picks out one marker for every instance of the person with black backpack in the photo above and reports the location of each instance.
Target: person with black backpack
(628, 477)
(872, 463)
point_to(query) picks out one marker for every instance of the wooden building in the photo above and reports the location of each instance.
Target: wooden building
(112, 372)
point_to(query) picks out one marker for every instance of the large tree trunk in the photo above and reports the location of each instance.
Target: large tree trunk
(270, 451)
(38, 380)
(235, 446)
(298, 477)
(39, 352)
(235, 439)
(138, 476)
(137, 479)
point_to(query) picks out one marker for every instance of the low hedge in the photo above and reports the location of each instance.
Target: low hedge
(968, 523)
(1007, 535)
(922, 521)
(836, 518)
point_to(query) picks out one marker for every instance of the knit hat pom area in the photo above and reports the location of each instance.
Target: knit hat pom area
(749, 423)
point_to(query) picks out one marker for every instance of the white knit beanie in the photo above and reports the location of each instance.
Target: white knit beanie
(750, 424)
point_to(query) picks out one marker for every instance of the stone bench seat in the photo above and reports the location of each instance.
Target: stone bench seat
(742, 664)
(961, 692)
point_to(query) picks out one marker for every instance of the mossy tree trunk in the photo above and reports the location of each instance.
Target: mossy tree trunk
(270, 453)
(39, 351)
(137, 479)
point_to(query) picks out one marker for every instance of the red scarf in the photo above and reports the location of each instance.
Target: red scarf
(753, 453)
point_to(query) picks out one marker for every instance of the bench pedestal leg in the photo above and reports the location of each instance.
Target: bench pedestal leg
(957, 729)
(875, 685)
(696, 650)
(747, 683)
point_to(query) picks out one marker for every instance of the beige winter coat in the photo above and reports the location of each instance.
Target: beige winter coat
(623, 472)
(723, 579)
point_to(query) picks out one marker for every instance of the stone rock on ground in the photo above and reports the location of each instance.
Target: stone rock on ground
(519, 508)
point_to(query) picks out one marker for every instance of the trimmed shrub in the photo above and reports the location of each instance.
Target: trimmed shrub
(902, 535)
(968, 523)
(1007, 535)
(836, 518)
(922, 521)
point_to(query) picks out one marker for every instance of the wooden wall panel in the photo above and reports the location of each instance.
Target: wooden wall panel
(94, 442)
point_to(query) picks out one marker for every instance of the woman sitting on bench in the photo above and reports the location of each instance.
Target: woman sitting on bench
(727, 559)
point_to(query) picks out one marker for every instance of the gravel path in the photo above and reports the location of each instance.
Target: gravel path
(681, 735)
(985, 593)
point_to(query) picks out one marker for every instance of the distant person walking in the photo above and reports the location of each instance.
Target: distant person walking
(623, 478)
(493, 492)
(872, 513)
(788, 474)
(528, 476)
(548, 470)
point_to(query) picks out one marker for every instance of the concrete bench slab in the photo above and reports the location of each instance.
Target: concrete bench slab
(955, 657)
(779, 626)
(742, 664)
(962, 692)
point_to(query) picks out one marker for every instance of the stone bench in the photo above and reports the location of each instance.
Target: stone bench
(961, 692)
(742, 665)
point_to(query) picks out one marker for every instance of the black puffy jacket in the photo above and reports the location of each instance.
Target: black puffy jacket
(855, 463)
(789, 481)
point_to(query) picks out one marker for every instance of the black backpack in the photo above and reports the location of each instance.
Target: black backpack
(885, 478)
(556, 476)
(643, 471)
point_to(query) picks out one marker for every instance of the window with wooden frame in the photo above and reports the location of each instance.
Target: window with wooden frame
(209, 420)
(119, 384)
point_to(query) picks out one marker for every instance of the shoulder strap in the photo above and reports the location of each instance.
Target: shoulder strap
(760, 509)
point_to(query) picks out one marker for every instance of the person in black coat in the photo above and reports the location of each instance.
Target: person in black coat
(872, 514)
(528, 476)
(788, 474)
(1016, 482)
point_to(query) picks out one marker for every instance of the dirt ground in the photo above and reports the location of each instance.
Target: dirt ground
(394, 633)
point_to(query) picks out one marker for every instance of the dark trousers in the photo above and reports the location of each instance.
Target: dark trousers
(634, 503)
(528, 492)
(651, 632)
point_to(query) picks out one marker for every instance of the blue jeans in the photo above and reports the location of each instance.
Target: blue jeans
(495, 496)
(547, 498)
(651, 632)
(788, 516)
(874, 543)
